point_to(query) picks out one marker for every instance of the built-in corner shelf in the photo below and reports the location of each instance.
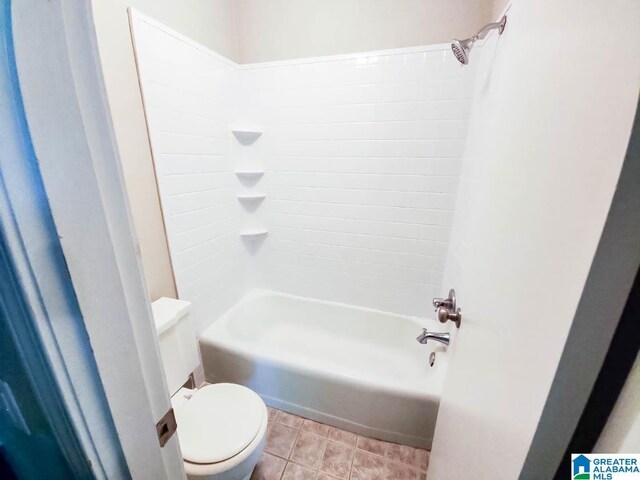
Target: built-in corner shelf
(254, 232)
(249, 173)
(250, 197)
(249, 177)
(246, 136)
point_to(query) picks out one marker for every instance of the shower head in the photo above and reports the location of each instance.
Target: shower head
(461, 48)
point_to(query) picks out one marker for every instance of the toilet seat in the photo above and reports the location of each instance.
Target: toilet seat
(218, 422)
(217, 397)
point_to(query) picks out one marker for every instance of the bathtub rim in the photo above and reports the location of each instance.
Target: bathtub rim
(227, 342)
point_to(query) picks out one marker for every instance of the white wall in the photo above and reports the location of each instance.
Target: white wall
(622, 431)
(284, 29)
(361, 154)
(189, 102)
(208, 22)
(127, 113)
(362, 157)
(248, 31)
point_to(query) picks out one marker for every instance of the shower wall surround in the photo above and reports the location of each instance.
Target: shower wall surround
(189, 103)
(361, 155)
(363, 161)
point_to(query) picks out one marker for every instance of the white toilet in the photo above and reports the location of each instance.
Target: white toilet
(221, 427)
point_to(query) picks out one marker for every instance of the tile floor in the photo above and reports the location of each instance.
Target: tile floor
(301, 449)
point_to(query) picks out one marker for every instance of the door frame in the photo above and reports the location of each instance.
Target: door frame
(604, 337)
(70, 125)
(69, 122)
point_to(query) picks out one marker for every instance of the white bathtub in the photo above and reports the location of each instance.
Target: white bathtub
(350, 367)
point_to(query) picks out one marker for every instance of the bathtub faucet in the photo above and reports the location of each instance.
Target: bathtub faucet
(425, 336)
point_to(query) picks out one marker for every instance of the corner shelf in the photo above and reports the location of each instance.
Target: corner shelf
(251, 197)
(253, 232)
(246, 137)
(249, 173)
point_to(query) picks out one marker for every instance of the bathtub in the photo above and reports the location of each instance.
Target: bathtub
(354, 368)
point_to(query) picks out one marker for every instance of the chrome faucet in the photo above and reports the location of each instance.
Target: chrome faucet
(425, 336)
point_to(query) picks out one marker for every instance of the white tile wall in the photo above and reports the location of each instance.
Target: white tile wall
(189, 102)
(362, 157)
(474, 158)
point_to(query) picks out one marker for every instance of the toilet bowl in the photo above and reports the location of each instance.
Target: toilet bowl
(221, 428)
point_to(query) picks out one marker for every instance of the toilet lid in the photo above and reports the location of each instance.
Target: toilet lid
(218, 422)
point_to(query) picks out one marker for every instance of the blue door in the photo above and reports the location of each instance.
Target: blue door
(28, 447)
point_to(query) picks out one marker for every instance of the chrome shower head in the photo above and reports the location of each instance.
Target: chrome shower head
(461, 48)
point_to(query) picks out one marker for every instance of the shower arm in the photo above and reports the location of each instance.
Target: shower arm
(490, 26)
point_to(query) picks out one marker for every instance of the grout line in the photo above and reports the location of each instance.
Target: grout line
(273, 124)
(356, 122)
(182, 112)
(361, 205)
(199, 135)
(328, 172)
(370, 156)
(354, 104)
(215, 205)
(359, 189)
(349, 260)
(186, 154)
(357, 219)
(366, 275)
(441, 257)
(397, 158)
(438, 242)
(182, 194)
(369, 140)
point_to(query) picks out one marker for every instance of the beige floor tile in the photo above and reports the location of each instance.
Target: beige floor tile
(320, 452)
(398, 471)
(402, 454)
(315, 427)
(273, 413)
(269, 468)
(342, 436)
(280, 440)
(298, 472)
(367, 467)
(289, 419)
(308, 450)
(324, 476)
(423, 459)
(337, 459)
(371, 445)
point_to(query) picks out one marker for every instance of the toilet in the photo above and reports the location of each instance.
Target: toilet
(221, 427)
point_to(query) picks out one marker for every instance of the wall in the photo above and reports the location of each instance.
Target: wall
(362, 157)
(361, 154)
(123, 94)
(285, 29)
(190, 102)
(265, 31)
(622, 431)
(540, 169)
(498, 7)
(208, 22)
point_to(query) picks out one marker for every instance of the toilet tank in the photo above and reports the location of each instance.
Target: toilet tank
(178, 342)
